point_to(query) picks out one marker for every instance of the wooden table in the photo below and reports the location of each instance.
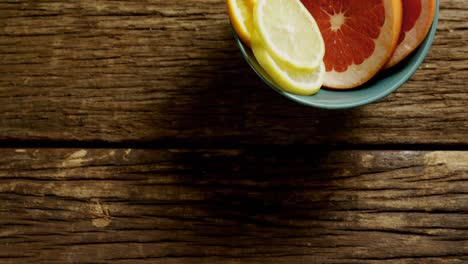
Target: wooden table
(134, 132)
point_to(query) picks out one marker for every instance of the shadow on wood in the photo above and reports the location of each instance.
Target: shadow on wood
(229, 105)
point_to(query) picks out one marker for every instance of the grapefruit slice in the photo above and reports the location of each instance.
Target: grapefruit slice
(417, 20)
(360, 37)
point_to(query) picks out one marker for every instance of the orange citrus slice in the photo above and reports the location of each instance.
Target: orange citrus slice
(240, 12)
(417, 20)
(360, 37)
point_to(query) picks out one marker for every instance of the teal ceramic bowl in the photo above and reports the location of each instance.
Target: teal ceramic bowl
(379, 87)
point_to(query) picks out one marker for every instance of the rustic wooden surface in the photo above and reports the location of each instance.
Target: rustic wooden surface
(220, 168)
(169, 71)
(232, 206)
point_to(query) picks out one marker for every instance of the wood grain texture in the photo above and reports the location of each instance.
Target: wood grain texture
(169, 71)
(232, 206)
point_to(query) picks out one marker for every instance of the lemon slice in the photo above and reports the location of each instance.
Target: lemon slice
(241, 14)
(289, 32)
(296, 81)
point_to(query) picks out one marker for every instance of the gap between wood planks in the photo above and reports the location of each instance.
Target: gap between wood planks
(177, 144)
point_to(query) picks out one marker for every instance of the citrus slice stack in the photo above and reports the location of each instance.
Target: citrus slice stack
(417, 20)
(241, 13)
(360, 38)
(289, 32)
(285, 39)
(301, 82)
(288, 45)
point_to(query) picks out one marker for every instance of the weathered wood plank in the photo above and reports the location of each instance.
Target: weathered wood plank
(232, 206)
(162, 71)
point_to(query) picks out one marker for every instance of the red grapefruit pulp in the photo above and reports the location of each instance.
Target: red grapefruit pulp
(417, 20)
(360, 37)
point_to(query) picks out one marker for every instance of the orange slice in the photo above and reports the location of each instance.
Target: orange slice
(360, 37)
(241, 14)
(417, 20)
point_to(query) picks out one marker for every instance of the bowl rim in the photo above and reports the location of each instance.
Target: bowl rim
(423, 49)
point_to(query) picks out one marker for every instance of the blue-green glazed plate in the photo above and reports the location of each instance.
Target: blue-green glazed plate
(379, 87)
